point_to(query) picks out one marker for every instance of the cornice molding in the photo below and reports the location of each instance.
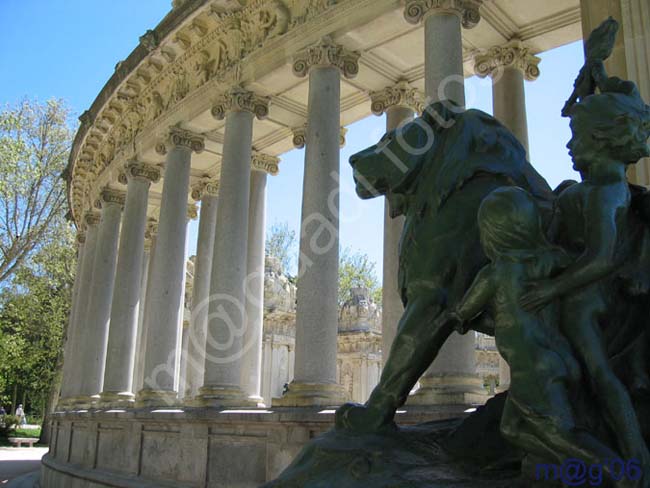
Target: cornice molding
(467, 10)
(240, 100)
(400, 95)
(511, 55)
(325, 54)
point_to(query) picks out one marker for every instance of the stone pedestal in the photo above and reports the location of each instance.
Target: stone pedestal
(165, 292)
(94, 337)
(315, 381)
(225, 345)
(120, 356)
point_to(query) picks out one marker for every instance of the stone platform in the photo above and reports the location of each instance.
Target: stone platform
(188, 447)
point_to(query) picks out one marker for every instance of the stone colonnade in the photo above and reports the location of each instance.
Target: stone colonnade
(124, 339)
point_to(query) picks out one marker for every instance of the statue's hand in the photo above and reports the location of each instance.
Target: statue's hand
(541, 294)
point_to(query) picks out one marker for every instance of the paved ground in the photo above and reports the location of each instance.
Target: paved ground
(15, 462)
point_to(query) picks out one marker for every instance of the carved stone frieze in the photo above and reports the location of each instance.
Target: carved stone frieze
(399, 95)
(264, 162)
(468, 10)
(512, 55)
(203, 187)
(240, 100)
(327, 53)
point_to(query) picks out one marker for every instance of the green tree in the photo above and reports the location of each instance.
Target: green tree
(357, 270)
(281, 243)
(35, 140)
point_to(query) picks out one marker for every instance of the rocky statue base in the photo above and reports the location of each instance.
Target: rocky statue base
(460, 453)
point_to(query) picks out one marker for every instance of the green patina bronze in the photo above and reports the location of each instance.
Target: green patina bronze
(560, 278)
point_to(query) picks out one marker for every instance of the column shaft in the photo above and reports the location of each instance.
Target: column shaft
(165, 284)
(95, 336)
(252, 362)
(120, 358)
(392, 307)
(315, 381)
(141, 342)
(443, 64)
(72, 331)
(200, 294)
(226, 320)
(509, 102)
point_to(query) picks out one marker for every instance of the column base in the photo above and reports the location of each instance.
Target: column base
(156, 398)
(112, 399)
(457, 389)
(227, 396)
(311, 395)
(82, 402)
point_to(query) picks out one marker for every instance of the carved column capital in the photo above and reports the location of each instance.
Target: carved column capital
(399, 95)
(142, 171)
(203, 187)
(467, 10)
(151, 230)
(240, 100)
(178, 137)
(511, 55)
(81, 237)
(300, 136)
(266, 163)
(91, 218)
(192, 211)
(326, 53)
(109, 196)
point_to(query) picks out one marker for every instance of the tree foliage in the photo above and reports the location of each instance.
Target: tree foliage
(357, 270)
(35, 140)
(281, 243)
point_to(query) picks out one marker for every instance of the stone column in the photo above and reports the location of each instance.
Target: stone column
(69, 351)
(399, 103)
(630, 59)
(122, 337)
(452, 377)
(183, 321)
(225, 346)
(95, 334)
(443, 47)
(140, 347)
(509, 66)
(206, 192)
(72, 376)
(165, 284)
(262, 164)
(315, 380)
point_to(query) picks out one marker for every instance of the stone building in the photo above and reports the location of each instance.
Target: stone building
(200, 112)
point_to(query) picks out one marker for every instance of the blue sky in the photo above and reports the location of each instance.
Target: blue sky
(69, 48)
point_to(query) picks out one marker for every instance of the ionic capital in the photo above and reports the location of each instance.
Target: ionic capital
(240, 100)
(141, 171)
(91, 218)
(399, 95)
(151, 230)
(109, 196)
(266, 163)
(204, 187)
(81, 237)
(300, 136)
(181, 138)
(467, 10)
(511, 55)
(192, 211)
(326, 53)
